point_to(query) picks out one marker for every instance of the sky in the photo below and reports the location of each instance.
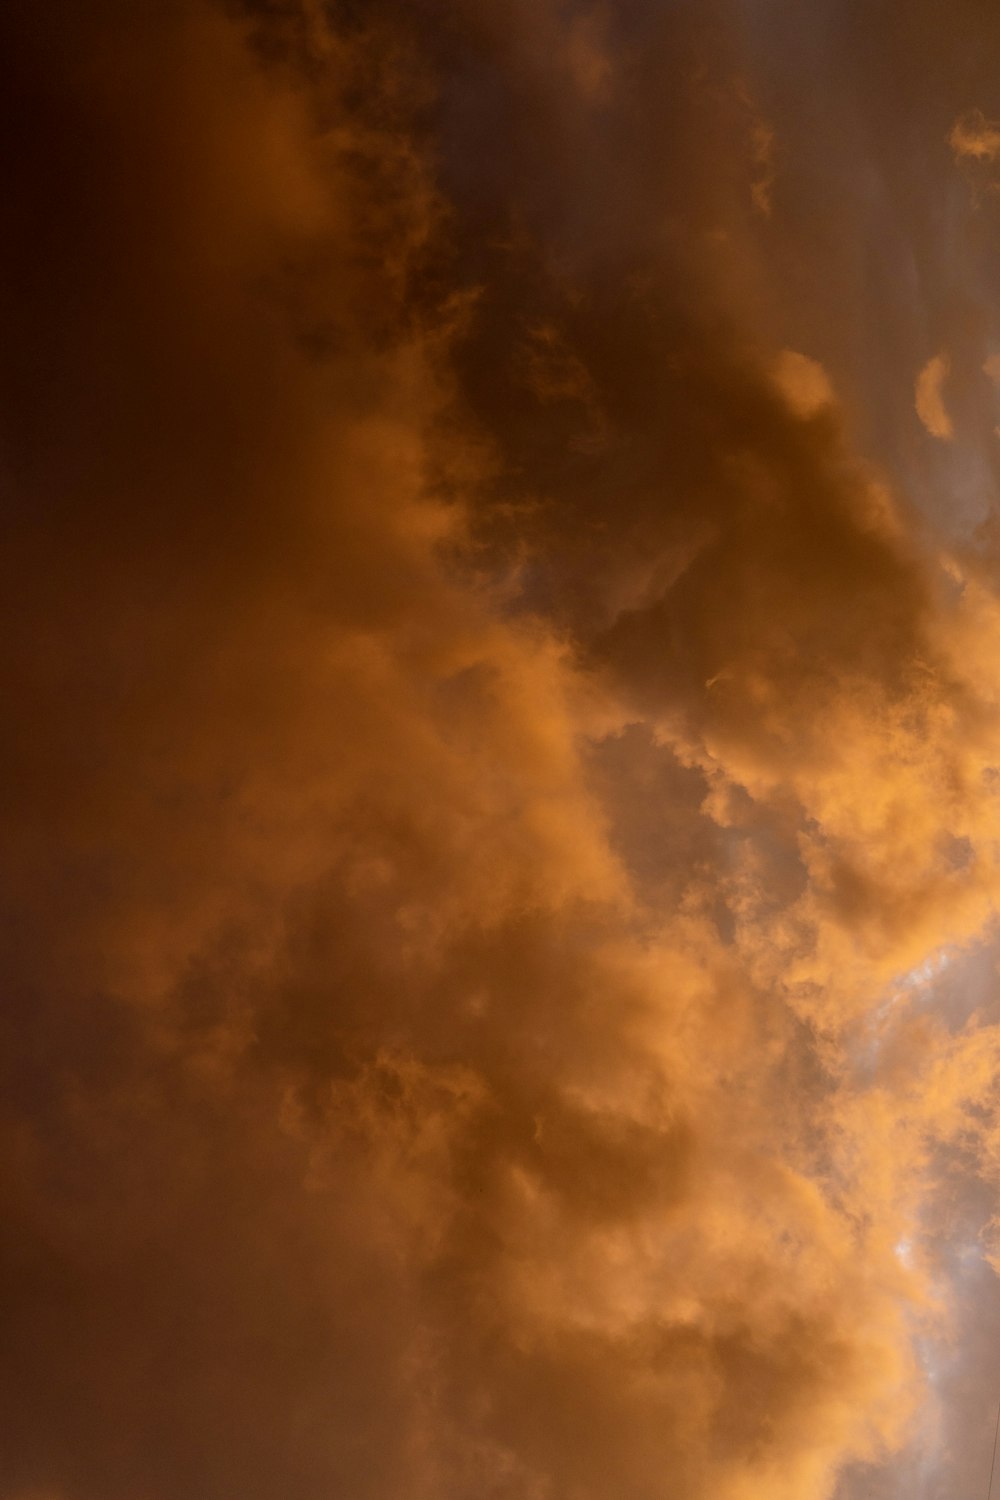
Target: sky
(501, 753)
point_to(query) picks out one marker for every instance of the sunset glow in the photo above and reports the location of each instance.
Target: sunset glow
(501, 750)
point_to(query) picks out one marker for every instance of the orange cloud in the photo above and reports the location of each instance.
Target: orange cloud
(495, 770)
(930, 398)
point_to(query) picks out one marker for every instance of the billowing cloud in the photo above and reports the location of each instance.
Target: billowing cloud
(500, 797)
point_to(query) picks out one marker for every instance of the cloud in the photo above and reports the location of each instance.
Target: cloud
(492, 753)
(803, 382)
(975, 138)
(589, 64)
(930, 398)
(762, 154)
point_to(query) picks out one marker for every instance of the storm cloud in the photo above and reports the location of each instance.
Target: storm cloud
(502, 751)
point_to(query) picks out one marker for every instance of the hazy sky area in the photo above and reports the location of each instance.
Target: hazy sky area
(500, 749)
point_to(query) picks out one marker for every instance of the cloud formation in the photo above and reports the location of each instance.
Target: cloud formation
(975, 138)
(500, 811)
(930, 397)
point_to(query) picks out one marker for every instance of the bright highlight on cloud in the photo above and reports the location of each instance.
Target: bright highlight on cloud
(975, 137)
(500, 786)
(803, 383)
(930, 397)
